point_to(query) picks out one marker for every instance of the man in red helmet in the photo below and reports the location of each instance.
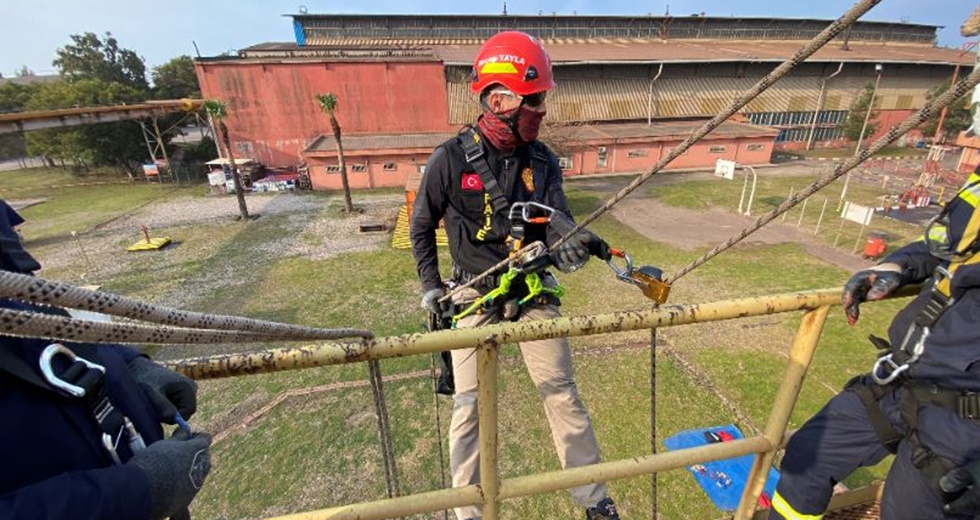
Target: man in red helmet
(471, 181)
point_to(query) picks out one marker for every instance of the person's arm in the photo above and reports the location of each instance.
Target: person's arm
(916, 262)
(114, 493)
(429, 208)
(909, 265)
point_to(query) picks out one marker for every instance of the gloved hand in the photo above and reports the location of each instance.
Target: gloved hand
(869, 285)
(572, 254)
(965, 480)
(168, 391)
(176, 468)
(430, 300)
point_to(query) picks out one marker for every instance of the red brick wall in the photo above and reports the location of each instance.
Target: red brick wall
(374, 176)
(272, 113)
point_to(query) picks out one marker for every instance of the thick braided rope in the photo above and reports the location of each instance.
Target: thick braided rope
(805, 52)
(930, 110)
(214, 328)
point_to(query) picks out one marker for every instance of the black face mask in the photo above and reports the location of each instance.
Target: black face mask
(944, 235)
(13, 257)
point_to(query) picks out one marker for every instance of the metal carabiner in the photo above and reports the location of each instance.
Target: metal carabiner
(47, 369)
(624, 274)
(527, 211)
(896, 369)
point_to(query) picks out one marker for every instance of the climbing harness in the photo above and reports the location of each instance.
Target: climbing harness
(525, 266)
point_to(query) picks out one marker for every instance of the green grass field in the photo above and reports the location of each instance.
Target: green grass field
(321, 450)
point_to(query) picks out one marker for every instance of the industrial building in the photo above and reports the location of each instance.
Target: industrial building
(630, 88)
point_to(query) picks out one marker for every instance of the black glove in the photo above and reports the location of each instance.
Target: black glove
(176, 468)
(963, 480)
(430, 300)
(869, 285)
(168, 391)
(572, 254)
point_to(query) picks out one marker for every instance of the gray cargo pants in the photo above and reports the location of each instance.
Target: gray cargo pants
(549, 362)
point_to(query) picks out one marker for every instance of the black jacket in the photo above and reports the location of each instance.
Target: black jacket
(451, 190)
(953, 346)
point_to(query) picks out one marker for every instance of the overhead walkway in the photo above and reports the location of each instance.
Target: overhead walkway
(68, 117)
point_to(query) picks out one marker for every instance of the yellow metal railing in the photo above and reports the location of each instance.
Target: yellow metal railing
(487, 340)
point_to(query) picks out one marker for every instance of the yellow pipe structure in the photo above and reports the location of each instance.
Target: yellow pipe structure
(800, 356)
(486, 380)
(487, 340)
(336, 353)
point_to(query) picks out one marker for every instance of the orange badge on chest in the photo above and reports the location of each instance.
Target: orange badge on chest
(527, 177)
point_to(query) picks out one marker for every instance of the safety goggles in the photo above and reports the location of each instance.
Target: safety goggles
(532, 100)
(941, 237)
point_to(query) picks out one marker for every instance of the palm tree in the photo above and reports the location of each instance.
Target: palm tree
(217, 112)
(328, 103)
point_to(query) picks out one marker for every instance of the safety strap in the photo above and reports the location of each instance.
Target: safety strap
(469, 139)
(911, 397)
(870, 395)
(83, 374)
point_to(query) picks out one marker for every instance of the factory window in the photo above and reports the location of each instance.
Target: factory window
(670, 150)
(333, 168)
(358, 168)
(636, 153)
(717, 149)
(565, 163)
(601, 158)
(755, 147)
(390, 167)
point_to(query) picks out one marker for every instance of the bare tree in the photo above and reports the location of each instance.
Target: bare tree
(328, 103)
(217, 112)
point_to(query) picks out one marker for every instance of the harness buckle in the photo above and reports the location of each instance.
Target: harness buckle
(893, 369)
(47, 369)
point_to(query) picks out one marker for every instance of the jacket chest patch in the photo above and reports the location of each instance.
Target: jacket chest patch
(471, 182)
(527, 177)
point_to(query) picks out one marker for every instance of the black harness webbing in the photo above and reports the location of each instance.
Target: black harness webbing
(78, 373)
(469, 139)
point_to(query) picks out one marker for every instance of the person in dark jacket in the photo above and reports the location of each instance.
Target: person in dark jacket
(97, 456)
(471, 182)
(920, 401)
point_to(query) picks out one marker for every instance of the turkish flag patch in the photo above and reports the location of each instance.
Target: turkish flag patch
(471, 182)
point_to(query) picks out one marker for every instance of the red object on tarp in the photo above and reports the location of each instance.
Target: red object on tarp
(875, 247)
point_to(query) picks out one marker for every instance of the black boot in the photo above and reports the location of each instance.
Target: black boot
(604, 510)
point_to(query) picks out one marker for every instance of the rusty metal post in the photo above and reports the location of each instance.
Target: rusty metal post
(800, 356)
(486, 381)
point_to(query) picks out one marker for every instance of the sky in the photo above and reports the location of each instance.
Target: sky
(31, 32)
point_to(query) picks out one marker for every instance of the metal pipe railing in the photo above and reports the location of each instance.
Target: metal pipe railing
(336, 353)
(487, 341)
(800, 356)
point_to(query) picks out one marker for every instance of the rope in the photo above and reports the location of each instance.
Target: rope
(384, 428)
(176, 324)
(928, 111)
(805, 52)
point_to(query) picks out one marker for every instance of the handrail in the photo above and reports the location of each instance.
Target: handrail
(487, 341)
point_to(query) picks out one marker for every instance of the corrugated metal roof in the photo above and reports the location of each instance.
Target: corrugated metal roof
(622, 99)
(626, 50)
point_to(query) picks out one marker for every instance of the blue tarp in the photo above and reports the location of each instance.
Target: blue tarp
(722, 480)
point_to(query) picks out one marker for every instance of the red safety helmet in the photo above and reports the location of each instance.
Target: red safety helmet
(514, 60)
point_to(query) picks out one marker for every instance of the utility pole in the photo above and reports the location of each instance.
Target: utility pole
(864, 126)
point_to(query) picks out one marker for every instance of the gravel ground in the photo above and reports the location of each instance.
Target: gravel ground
(312, 228)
